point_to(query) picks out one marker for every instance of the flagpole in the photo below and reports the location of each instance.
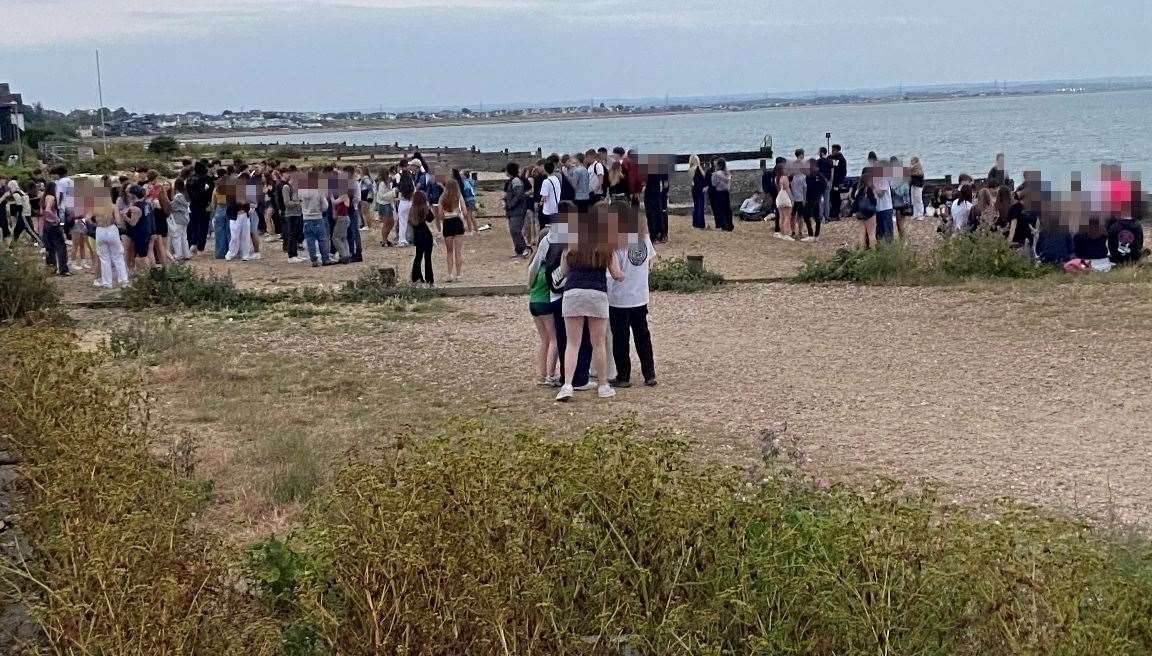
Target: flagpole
(100, 94)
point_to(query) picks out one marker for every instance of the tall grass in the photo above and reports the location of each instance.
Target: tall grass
(470, 542)
(25, 286)
(114, 567)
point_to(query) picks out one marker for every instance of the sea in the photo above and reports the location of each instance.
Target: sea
(1055, 134)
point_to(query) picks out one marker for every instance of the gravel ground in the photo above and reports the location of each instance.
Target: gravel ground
(1030, 395)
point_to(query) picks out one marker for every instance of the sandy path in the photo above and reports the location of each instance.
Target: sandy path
(991, 394)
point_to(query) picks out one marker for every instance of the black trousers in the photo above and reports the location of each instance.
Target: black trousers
(834, 202)
(422, 239)
(812, 215)
(656, 211)
(635, 321)
(583, 358)
(198, 228)
(292, 226)
(57, 249)
(24, 225)
(5, 232)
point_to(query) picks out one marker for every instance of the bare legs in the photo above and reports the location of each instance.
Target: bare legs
(546, 348)
(869, 226)
(455, 257)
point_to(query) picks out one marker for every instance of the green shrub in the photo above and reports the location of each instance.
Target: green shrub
(25, 285)
(469, 542)
(112, 565)
(100, 165)
(163, 145)
(378, 285)
(888, 262)
(184, 286)
(286, 152)
(677, 275)
(981, 254)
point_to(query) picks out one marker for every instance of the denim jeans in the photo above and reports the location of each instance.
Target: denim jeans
(316, 235)
(826, 203)
(884, 228)
(221, 232)
(340, 237)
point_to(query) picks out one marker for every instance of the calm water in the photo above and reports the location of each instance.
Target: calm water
(1056, 134)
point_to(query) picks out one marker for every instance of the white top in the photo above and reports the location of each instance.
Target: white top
(550, 194)
(596, 177)
(751, 205)
(634, 261)
(66, 193)
(961, 210)
(882, 187)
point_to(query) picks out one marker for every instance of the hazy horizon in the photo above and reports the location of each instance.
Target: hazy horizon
(331, 55)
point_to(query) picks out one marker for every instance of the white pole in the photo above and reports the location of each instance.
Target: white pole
(100, 94)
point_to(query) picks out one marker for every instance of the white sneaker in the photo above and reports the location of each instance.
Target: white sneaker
(255, 256)
(565, 393)
(808, 239)
(229, 258)
(777, 235)
(606, 392)
(585, 387)
(788, 238)
(296, 260)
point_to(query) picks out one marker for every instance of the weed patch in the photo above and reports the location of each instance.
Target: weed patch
(25, 285)
(678, 275)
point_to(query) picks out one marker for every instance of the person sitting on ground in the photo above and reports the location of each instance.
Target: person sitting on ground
(752, 209)
(1125, 241)
(1053, 243)
(1090, 247)
(962, 210)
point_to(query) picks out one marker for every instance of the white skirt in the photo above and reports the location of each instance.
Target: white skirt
(585, 303)
(783, 199)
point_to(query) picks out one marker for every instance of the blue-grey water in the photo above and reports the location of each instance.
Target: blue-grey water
(1053, 133)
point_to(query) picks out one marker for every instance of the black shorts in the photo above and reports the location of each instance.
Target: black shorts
(160, 224)
(453, 226)
(542, 309)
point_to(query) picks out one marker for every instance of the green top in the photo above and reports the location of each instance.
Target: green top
(539, 292)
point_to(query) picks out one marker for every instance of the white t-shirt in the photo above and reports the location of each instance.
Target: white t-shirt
(66, 193)
(550, 194)
(595, 177)
(961, 210)
(882, 186)
(634, 261)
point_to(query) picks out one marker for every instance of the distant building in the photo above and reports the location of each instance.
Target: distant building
(11, 115)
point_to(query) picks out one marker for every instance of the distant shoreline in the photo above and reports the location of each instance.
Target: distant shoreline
(286, 136)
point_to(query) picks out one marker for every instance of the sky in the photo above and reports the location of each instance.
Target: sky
(211, 55)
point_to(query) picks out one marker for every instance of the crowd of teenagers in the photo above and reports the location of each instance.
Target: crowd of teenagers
(1093, 225)
(114, 224)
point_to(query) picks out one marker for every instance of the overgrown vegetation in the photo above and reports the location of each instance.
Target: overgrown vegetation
(183, 286)
(25, 285)
(679, 275)
(469, 542)
(960, 257)
(113, 566)
(147, 338)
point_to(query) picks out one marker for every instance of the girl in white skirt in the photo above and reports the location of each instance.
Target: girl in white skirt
(585, 269)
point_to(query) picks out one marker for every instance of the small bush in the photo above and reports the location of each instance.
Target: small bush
(25, 285)
(676, 275)
(163, 145)
(887, 262)
(183, 286)
(982, 254)
(147, 338)
(378, 285)
(286, 152)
